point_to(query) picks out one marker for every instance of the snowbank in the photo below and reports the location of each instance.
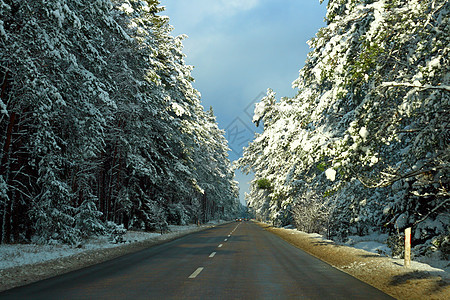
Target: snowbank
(376, 243)
(421, 281)
(19, 255)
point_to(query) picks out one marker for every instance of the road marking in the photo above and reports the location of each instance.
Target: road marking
(232, 231)
(212, 254)
(225, 240)
(195, 274)
(220, 245)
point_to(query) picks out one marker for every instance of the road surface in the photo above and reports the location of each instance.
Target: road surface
(232, 261)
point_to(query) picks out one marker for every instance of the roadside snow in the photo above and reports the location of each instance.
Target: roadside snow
(374, 247)
(19, 255)
(420, 281)
(376, 243)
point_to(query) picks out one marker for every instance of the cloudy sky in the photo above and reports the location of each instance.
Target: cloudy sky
(239, 48)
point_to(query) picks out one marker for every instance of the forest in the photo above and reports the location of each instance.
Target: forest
(363, 147)
(101, 129)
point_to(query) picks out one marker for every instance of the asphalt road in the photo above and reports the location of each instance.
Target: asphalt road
(231, 261)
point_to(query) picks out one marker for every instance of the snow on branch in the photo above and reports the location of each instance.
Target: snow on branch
(431, 211)
(416, 85)
(434, 12)
(389, 179)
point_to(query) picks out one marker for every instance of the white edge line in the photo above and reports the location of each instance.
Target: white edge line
(196, 272)
(212, 254)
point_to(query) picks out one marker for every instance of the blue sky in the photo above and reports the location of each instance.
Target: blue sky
(239, 48)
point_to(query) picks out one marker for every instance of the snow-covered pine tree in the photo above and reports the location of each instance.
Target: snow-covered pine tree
(214, 169)
(99, 122)
(56, 100)
(371, 113)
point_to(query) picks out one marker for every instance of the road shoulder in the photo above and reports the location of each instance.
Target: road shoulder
(381, 272)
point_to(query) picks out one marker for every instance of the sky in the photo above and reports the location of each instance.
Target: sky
(239, 49)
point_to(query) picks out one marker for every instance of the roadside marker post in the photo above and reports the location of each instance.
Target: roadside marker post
(408, 247)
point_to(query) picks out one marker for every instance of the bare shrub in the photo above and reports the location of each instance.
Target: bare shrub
(312, 214)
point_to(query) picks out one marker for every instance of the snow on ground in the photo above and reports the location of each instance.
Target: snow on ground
(19, 255)
(420, 281)
(376, 243)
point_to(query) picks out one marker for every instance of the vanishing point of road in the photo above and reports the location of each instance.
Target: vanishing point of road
(231, 261)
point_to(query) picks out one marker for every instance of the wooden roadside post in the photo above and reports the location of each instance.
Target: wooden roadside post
(408, 247)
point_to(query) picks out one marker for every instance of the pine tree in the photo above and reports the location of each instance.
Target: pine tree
(99, 123)
(368, 129)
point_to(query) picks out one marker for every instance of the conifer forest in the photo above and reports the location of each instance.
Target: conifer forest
(100, 127)
(364, 145)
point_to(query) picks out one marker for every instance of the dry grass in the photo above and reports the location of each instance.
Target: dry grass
(381, 272)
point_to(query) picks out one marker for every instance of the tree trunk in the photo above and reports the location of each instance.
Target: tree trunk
(5, 170)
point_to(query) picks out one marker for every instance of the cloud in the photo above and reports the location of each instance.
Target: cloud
(240, 48)
(226, 8)
(199, 11)
(233, 6)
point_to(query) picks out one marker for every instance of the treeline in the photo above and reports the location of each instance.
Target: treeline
(364, 145)
(100, 125)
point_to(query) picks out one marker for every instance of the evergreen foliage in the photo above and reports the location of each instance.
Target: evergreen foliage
(100, 124)
(263, 184)
(368, 132)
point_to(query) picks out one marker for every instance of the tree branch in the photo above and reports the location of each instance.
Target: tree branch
(431, 211)
(414, 85)
(393, 178)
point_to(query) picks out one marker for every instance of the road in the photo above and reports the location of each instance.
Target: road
(232, 261)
